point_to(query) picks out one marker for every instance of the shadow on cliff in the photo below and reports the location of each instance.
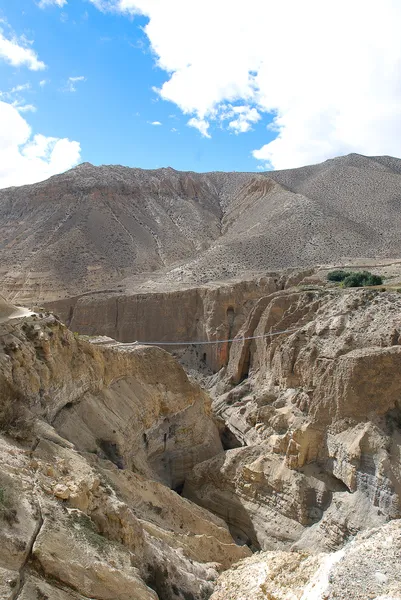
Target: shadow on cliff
(222, 501)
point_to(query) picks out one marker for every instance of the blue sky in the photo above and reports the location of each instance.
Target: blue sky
(234, 85)
(111, 111)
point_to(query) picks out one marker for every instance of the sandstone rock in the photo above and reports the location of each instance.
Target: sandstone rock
(366, 568)
(19, 509)
(266, 504)
(9, 583)
(102, 431)
(35, 587)
(90, 515)
(70, 551)
(113, 403)
(319, 415)
(210, 312)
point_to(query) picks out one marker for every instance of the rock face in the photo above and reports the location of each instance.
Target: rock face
(367, 568)
(206, 313)
(93, 227)
(317, 413)
(119, 478)
(99, 436)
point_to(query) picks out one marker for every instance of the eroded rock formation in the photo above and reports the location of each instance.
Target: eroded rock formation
(99, 435)
(216, 311)
(317, 413)
(367, 568)
(98, 438)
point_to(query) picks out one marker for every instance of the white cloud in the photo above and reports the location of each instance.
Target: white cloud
(20, 88)
(27, 158)
(14, 97)
(106, 5)
(70, 86)
(43, 82)
(201, 125)
(329, 72)
(245, 117)
(154, 122)
(17, 52)
(44, 3)
(24, 107)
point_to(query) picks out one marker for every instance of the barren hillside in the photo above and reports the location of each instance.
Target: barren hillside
(94, 227)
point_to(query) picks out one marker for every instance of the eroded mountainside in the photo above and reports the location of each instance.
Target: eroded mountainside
(120, 479)
(317, 413)
(277, 478)
(94, 441)
(100, 227)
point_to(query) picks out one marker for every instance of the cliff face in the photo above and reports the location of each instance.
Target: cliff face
(318, 417)
(206, 313)
(195, 314)
(99, 437)
(114, 482)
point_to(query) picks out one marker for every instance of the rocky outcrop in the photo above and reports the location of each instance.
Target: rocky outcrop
(99, 437)
(216, 311)
(317, 413)
(114, 482)
(206, 313)
(366, 568)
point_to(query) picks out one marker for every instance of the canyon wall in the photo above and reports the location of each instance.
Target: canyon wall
(216, 311)
(93, 441)
(203, 313)
(313, 422)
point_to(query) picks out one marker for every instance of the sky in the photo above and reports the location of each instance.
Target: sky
(199, 85)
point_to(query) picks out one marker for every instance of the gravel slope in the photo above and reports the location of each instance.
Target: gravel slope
(92, 227)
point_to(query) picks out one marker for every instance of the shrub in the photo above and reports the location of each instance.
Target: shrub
(7, 512)
(354, 278)
(360, 279)
(374, 280)
(15, 418)
(337, 275)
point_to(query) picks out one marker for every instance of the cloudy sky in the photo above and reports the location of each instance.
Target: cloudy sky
(196, 85)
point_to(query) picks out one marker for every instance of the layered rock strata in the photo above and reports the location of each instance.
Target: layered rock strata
(367, 568)
(215, 311)
(94, 438)
(313, 420)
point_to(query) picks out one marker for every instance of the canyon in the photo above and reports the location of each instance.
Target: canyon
(211, 418)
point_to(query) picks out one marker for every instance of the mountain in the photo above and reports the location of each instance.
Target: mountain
(97, 227)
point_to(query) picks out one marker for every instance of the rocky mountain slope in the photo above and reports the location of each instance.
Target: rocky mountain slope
(99, 227)
(119, 479)
(277, 478)
(92, 445)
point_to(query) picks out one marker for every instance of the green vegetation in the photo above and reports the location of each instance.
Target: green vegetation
(354, 278)
(7, 513)
(15, 419)
(337, 276)
(86, 529)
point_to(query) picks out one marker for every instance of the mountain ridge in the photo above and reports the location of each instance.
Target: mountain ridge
(96, 226)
